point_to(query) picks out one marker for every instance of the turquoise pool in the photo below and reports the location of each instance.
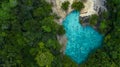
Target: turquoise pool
(81, 40)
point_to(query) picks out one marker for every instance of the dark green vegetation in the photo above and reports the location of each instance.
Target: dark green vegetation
(65, 5)
(28, 36)
(109, 54)
(77, 5)
(93, 19)
(101, 22)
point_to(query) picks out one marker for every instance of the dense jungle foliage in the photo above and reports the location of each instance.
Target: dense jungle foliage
(109, 54)
(28, 36)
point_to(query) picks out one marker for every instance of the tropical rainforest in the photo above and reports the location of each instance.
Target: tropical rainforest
(28, 36)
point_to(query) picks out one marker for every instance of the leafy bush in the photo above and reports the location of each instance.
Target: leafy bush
(65, 5)
(77, 5)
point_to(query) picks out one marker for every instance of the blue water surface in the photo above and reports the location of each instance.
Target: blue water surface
(82, 40)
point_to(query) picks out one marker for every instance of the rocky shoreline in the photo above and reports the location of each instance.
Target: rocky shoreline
(91, 7)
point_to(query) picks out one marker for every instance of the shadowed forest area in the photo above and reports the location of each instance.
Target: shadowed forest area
(28, 36)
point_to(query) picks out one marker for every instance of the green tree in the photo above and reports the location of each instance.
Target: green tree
(65, 5)
(44, 58)
(103, 26)
(93, 20)
(77, 5)
(13, 3)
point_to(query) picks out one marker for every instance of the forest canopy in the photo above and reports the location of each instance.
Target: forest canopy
(28, 36)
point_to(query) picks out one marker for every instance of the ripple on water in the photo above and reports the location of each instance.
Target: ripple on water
(81, 40)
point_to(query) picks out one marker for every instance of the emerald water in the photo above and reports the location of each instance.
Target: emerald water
(81, 40)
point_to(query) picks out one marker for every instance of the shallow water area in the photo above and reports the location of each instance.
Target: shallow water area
(81, 40)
